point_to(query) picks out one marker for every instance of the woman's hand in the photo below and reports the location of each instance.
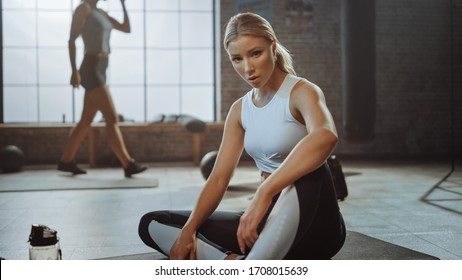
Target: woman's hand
(75, 79)
(184, 247)
(247, 233)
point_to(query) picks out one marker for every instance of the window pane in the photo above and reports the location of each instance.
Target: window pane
(79, 44)
(197, 66)
(54, 103)
(126, 67)
(79, 53)
(162, 5)
(20, 104)
(132, 5)
(198, 102)
(129, 102)
(163, 67)
(18, 28)
(196, 30)
(162, 100)
(179, 54)
(103, 5)
(132, 39)
(54, 5)
(18, 4)
(54, 67)
(20, 66)
(54, 28)
(135, 4)
(197, 5)
(162, 30)
(75, 3)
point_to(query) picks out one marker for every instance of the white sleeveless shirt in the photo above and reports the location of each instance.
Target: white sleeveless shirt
(271, 132)
(97, 31)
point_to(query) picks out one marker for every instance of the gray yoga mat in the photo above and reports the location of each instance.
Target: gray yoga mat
(357, 246)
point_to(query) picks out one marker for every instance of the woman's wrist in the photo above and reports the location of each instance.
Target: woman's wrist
(188, 230)
(264, 193)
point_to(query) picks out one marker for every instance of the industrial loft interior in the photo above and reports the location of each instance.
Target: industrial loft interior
(110, 110)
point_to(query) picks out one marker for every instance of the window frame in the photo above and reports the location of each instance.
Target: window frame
(214, 52)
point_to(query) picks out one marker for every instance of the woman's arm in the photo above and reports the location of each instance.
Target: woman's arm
(230, 151)
(78, 21)
(308, 106)
(125, 25)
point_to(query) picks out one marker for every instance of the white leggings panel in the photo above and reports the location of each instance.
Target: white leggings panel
(165, 236)
(280, 229)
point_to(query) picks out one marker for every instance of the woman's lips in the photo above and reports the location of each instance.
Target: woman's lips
(252, 79)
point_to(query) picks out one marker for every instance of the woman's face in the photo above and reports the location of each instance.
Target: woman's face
(253, 58)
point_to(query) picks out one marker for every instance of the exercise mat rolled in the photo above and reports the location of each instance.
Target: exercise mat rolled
(191, 123)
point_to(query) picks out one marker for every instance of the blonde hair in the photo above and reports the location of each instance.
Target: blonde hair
(255, 25)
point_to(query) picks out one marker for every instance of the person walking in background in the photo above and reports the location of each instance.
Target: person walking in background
(95, 25)
(285, 126)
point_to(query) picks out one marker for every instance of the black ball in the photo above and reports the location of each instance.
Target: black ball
(11, 159)
(207, 163)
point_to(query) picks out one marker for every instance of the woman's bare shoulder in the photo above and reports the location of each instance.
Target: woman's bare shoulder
(306, 89)
(82, 9)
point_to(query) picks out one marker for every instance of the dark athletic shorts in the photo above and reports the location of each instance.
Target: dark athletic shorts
(93, 71)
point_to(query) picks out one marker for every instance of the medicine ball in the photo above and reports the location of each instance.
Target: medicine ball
(11, 159)
(207, 163)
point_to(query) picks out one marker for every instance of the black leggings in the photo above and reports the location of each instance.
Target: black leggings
(303, 222)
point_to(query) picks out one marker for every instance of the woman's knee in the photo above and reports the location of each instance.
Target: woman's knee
(164, 217)
(143, 230)
(110, 119)
(146, 219)
(172, 218)
(109, 114)
(86, 119)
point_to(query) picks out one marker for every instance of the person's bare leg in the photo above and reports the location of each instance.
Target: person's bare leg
(103, 99)
(114, 135)
(115, 140)
(78, 133)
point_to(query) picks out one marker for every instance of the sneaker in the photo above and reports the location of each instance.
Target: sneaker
(70, 167)
(133, 168)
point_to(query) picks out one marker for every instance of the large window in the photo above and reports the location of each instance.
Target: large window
(164, 66)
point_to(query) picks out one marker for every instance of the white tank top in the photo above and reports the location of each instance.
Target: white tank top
(271, 132)
(97, 31)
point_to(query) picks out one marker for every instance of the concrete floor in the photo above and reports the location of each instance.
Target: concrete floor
(383, 202)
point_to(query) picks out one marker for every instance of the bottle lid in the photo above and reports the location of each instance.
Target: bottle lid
(41, 235)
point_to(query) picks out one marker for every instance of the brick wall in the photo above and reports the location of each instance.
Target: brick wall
(413, 71)
(147, 143)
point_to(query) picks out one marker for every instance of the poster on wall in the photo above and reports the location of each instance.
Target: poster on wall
(263, 8)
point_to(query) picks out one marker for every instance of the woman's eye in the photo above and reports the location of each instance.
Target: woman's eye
(257, 53)
(236, 59)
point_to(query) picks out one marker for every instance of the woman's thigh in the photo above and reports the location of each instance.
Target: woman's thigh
(321, 230)
(101, 98)
(305, 217)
